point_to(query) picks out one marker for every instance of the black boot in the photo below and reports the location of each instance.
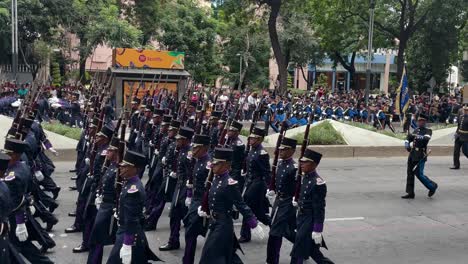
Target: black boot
(408, 196)
(169, 246)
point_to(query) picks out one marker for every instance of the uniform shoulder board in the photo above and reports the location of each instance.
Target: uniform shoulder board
(104, 152)
(133, 189)
(232, 181)
(320, 181)
(208, 165)
(295, 165)
(136, 112)
(11, 176)
(239, 142)
(189, 155)
(263, 152)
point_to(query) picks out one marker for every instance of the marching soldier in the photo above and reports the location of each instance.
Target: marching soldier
(164, 193)
(238, 152)
(182, 170)
(134, 122)
(17, 178)
(461, 137)
(131, 245)
(311, 212)
(283, 222)
(258, 174)
(214, 131)
(102, 232)
(416, 144)
(221, 243)
(195, 225)
(410, 111)
(152, 136)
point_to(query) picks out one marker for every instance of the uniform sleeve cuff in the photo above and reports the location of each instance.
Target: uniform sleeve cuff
(318, 228)
(128, 239)
(252, 222)
(19, 217)
(47, 144)
(189, 193)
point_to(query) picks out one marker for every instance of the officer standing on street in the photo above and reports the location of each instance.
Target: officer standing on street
(311, 212)
(131, 245)
(283, 216)
(258, 174)
(461, 138)
(416, 145)
(221, 243)
(195, 225)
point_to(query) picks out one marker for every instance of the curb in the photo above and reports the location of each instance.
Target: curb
(327, 151)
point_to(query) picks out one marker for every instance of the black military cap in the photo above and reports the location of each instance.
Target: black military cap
(159, 112)
(133, 158)
(193, 104)
(199, 108)
(149, 108)
(222, 154)
(423, 117)
(216, 114)
(166, 120)
(288, 143)
(33, 114)
(136, 100)
(235, 126)
(95, 122)
(4, 159)
(310, 155)
(114, 144)
(175, 124)
(12, 132)
(14, 145)
(106, 132)
(258, 132)
(27, 123)
(223, 119)
(185, 132)
(201, 140)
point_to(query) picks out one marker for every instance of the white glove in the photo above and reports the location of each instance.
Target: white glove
(201, 213)
(188, 201)
(126, 254)
(294, 202)
(98, 201)
(317, 237)
(243, 174)
(54, 152)
(173, 175)
(163, 161)
(156, 152)
(259, 232)
(21, 232)
(32, 209)
(270, 195)
(87, 161)
(39, 176)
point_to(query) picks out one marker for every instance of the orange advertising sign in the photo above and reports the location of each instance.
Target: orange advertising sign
(147, 59)
(146, 87)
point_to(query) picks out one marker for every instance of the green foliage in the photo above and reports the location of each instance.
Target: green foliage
(64, 130)
(55, 72)
(322, 134)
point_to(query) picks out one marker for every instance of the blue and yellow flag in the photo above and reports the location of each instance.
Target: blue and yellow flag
(402, 98)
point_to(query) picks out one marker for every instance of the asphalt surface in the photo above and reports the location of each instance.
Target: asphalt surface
(367, 222)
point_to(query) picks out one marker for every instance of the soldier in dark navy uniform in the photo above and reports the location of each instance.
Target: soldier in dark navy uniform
(17, 178)
(90, 187)
(416, 145)
(283, 215)
(131, 245)
(152, 135)
(195, 225)
(8, 253)
(238, 153)
(103, 231)
(134, 122)
(142, 140)
(461, 137)
(311, 212)
(75, 112)
(221, 244)
(258, 174)
(214, 131)
(181, 173)
(166, 188)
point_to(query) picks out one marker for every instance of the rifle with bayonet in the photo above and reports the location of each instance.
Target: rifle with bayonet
(305, 143)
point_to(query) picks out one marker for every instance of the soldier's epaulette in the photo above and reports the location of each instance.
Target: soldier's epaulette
(11, 176)
(189, 155)
(263, 152)
(232, 181)
(320, 181)
(295, 165)
(136, 112)
(133, 189)
(239, 142)
(104, 152)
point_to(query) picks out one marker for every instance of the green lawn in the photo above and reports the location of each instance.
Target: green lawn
(323, 134)
(63, 130)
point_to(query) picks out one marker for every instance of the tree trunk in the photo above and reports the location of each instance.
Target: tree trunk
(401, 58)
(275, 44)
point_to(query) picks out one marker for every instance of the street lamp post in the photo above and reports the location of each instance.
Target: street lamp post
(369, 49)
(240, 71)
(14, 38)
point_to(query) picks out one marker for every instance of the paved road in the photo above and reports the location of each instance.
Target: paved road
(367, 221)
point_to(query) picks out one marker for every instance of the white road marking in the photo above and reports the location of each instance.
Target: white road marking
(63, 235)
(344, 219)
